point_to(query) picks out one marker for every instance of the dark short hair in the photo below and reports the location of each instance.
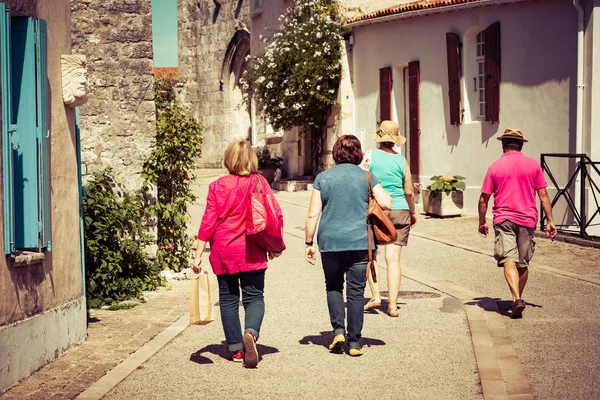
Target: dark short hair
(512, 144)
(347, 150)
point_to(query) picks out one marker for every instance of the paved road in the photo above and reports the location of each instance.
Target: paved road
(427, 353)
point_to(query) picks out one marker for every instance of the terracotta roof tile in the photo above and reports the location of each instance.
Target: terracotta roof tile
(167, 73)
(408, 7)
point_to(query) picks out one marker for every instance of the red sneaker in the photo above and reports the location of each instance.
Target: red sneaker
(238, 356)
(251, 355)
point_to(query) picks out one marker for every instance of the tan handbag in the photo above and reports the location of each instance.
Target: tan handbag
(201, 306)
(379, 224)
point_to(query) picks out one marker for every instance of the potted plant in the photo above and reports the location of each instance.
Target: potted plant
(444, 197)
(267, 164)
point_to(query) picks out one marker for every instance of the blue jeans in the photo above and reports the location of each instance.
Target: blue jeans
(352, 264)
(253, 285)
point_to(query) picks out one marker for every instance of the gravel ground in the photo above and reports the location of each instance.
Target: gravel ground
(425, 354)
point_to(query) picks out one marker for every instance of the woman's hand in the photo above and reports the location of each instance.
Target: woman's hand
(196, 265)
(310, 252)
(413, 219)
(273, 255)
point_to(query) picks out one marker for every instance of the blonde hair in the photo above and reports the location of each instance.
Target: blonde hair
(240, 158)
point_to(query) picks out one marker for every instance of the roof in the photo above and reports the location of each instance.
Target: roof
(408, 7)
(167, 73)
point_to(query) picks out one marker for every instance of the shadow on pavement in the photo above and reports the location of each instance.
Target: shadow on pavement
(325, 338)
(222, 351)
(497, 305)
(384, 306)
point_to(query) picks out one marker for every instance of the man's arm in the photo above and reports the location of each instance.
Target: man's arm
(547, 208)
(483, 207)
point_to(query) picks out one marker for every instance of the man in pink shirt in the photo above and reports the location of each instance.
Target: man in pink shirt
(514, 180)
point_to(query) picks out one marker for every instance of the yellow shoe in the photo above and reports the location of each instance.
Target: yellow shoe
(338, 342)
(355, 352)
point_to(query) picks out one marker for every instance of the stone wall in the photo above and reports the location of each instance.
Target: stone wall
(206, 31)
(117, 123)
(26, 7)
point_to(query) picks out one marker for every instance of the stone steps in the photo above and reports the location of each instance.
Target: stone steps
(298, 184)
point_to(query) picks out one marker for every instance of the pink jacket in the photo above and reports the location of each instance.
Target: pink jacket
(224, 225)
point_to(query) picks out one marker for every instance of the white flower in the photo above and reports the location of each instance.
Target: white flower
(281, 105)
(260, 80)
(318, 87)
(306, 81)
(270, 85)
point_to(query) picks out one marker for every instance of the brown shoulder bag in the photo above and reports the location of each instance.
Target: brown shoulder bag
(379, 224)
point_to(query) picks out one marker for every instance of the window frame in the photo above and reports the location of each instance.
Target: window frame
(480, 76)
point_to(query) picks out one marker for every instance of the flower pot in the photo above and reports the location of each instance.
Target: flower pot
(268, 174)
(443, 204)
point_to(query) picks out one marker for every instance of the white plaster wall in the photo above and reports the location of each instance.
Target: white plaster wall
(537, 94)
(28, 345)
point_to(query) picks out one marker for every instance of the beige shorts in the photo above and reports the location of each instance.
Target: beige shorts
(401, 221)
(514, 243)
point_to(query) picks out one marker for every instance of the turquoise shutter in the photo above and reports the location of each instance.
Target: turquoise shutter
(25, 157)
(43, 130)
(7, 130)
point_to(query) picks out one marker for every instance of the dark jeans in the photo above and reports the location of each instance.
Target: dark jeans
(354, 265)
(253, 285)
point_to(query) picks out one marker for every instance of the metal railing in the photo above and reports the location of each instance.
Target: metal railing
(586, 181)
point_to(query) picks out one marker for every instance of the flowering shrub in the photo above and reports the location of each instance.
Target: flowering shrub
(295, 81)
(442, 184)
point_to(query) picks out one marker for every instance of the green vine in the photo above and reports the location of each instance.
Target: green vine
(167, 173)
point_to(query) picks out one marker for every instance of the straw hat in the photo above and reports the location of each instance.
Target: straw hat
(511, 133)
(388, 132)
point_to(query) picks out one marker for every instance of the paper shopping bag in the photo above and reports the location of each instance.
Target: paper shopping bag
(201, 307)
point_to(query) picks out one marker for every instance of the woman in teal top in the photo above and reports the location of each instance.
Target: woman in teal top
(393, 172)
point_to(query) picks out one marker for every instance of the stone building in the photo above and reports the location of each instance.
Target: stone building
(118, 122)
(214, 40)
(42, 298)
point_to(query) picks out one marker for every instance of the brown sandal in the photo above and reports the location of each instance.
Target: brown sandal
(373, 303)
(393, 312)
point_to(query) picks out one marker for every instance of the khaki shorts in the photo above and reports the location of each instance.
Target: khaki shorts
(401, 221)
(514, 243)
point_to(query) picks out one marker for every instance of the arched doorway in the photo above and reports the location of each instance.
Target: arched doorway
(239, 120)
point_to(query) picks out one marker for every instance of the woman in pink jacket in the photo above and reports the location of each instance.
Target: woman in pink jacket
(236, 262)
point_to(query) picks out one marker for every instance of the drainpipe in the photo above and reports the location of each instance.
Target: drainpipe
(580, 84)
(579, 116)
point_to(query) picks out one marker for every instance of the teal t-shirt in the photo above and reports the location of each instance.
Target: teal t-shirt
(389, 169)
(345, 197)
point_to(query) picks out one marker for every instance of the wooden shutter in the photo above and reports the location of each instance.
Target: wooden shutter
(453, 52)
(7, 130)
(43, 131)
(385, 94)
(492, 72)
(24, 86)
(414, 79)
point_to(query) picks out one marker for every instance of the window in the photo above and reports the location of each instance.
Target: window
(480, 79)
(256, 6)
(25, 132)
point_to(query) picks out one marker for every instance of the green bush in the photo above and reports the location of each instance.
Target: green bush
(115, 236)
(167, 172)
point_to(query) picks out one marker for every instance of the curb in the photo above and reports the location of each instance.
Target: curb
(113, 377)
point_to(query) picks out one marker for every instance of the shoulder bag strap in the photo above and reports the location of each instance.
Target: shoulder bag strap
(370, 265)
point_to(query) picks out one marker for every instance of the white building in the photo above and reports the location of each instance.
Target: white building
(456, 73)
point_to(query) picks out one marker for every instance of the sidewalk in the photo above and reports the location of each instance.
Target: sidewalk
(111, 337)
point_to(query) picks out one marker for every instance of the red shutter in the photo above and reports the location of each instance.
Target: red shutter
(453, 51)
(492, 72)
(385, 94)
(414, 79)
